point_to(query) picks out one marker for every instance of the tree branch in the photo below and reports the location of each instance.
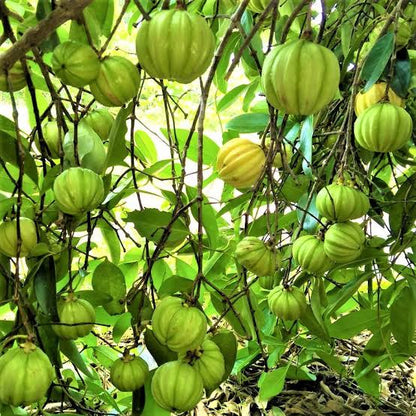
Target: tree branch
(66, 10)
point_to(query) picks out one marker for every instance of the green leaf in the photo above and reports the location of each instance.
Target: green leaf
(231, 97)
(174, 285)
(161, 353)
(145, 148)
(227, 343)
(305, 145)
(249, 123)
(150, 223)
(70, 350)
(355, 322)
(8, 152)
(316, 328)
(272, 383)
(377, 60)
(310, 223)
(402, 77)
(403, 318)
(109, 279)
(121, 326)
(209, 151)
(111, 239)
(117, 150)
(367, 378)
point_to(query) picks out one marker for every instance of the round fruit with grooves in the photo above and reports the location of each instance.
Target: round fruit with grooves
(269, 282)
(309, 253)
(374, 95)
(175, 45)
(278, 162)
(52, 138)
(300, 77)
(78, 191)
(178, 326)
(8, 237)
(344, 242)
(78, 315)
(240, 163)
(287, 303)
(177, 386)
(383, 128)
(16, 78)
(340, 203)
(75, 63)
(101, 122)
(129, 373)
(117, 83)
(208, 361)
(25, 375)
(257, 257)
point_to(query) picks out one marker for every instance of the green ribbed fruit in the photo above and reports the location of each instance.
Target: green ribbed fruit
(52, 138)
(25, 375)
(16, 77)
(78, 312)
(300, 77)
(344, 242)
(8, 237)
(240, 163)
(75, 63)
(101, 122)
(129, 373)
(208, 361)
(309, 253)
(178, 326)
(177, 386)
(78, 191)
(341, 203)
(117, 83)
(269, 282)
(257, 257)
(383, 128)
(287, 303)
(175, 45)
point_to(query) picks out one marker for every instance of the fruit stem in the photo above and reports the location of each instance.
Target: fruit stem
(180, 5)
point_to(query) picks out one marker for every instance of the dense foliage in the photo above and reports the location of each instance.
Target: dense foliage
(190, 187)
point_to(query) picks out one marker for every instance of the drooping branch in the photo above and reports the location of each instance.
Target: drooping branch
(34, 36)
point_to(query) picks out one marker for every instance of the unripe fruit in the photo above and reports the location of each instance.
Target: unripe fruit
(25, 375)
(374, 95)
(287, 303)
(101, 122)
(208, 361)
(78, 191)
(175, 45)
(52, 138)
(177, 386)
(16, 77)
(75, 64)
(129, 373)
(256, 257)
(341, 203)
(78, 315)
(240, 163)
(383, 128)
(117, 83)
(344, 242)
(178, 326)
(309, 253)
(300, 77)
(278, 162)
(8, 237)
(269, 282)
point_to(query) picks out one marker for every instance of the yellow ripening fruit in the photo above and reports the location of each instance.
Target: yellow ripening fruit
(240, 163)
(375, 94)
